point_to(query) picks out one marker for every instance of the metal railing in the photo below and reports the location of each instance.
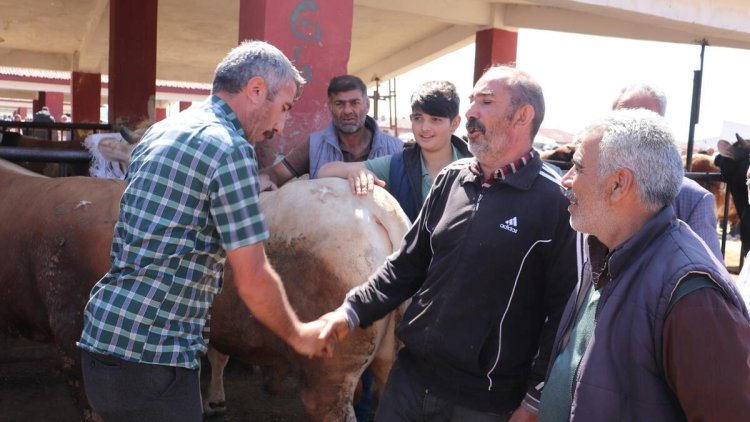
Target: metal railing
(44, 130)
(698, 177)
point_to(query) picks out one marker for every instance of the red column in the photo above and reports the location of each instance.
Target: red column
(316, 36)
(494, 46)
(54, 102)
(22, 111)
(86, 93)
(160, 114)
(184, 105)
(132, 61)
(41, 101)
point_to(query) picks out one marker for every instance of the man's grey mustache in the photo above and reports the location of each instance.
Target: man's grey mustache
(474, 124)
(568, 194)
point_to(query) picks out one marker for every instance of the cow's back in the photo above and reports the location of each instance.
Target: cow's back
(324, 241)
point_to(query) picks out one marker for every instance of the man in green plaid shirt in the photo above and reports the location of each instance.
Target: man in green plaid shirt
(191, 201)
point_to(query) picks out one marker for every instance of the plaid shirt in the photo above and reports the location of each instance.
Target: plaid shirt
(192, 193)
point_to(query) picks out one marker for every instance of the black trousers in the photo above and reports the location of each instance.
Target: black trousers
(407, 399)
(119, 390)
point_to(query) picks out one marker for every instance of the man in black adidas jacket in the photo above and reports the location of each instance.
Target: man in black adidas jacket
(488, 264)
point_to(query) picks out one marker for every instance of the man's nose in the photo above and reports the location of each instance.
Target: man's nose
(567, 179)
(471, 112)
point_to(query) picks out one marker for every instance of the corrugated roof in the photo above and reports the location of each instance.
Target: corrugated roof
(65, 77)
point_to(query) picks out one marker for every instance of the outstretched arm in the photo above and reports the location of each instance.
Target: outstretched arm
(263, 293)
(361, 180)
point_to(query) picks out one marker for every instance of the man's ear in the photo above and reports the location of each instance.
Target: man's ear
(620, 184)
(454, 123)
(256, 90)
(524, 115)
(366, 103)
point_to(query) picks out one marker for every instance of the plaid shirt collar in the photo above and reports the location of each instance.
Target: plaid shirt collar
(222, 110)
(503, 172)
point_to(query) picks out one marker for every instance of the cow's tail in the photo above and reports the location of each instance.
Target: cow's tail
(389, 214)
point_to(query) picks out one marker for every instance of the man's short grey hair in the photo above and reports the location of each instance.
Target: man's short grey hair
(256, 58)
(644, 89)
(640, 140)
(523, 90)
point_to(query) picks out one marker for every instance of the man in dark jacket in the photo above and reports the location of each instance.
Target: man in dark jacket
(655, 330)
(488, 266)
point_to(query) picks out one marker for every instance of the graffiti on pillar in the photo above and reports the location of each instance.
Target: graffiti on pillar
(306, 30)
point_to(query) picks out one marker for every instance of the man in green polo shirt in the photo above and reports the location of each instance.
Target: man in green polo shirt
(191, 202)
(408, 174)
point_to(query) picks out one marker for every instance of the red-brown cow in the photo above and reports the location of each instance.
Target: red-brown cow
(323, 242)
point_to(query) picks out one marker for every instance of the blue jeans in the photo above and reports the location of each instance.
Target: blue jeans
(363, 405)
(119, 390)
(407, 399)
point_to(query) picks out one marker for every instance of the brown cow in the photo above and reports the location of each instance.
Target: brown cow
(323, 241)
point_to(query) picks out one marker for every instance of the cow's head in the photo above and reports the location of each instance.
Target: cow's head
(737, 151)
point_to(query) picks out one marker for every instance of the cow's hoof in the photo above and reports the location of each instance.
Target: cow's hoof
(215, 409)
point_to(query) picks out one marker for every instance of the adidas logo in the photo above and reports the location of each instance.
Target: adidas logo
(510, 225)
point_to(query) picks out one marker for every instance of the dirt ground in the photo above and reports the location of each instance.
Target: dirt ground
(34, 391)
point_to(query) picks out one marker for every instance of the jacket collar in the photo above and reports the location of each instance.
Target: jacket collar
(523, 179)
(632, 248)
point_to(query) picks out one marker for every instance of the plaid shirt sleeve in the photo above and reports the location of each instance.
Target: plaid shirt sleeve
(235, 200)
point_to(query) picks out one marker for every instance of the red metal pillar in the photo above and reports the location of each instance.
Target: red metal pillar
(184, 105)
(132, 61)
(86, 93)
(160, 114)
(54, 102)
(494, 46)
(316, 35)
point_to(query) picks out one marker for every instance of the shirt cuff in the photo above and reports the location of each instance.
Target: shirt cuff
(531, 401)
(352, 319)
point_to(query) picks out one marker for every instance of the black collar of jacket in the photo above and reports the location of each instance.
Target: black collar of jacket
(523, 179)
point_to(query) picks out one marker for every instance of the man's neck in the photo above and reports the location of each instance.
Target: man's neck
(435, 161)
(490, 164)
(357, 141)
(625, 226)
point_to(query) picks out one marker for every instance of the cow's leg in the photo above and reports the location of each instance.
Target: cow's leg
(329, 398)
(273, 378)
(215, 401)
(387, 349)
(328, 384)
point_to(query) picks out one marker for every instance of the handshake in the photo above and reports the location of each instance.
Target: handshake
(319, 338)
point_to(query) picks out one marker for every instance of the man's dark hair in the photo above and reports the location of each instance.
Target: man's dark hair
(436, 98)
(345, 83)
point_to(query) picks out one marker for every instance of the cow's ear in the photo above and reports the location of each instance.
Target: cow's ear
(725, 149)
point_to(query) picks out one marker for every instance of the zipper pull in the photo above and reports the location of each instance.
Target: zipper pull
(476, 206)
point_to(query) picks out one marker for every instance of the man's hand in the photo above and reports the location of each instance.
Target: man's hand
(310, 340)
(523, 415)
(337, 326)
(363, 182)
(265, 182)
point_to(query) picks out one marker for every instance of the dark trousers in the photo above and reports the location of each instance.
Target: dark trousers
(126, 391)
(407, 399)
